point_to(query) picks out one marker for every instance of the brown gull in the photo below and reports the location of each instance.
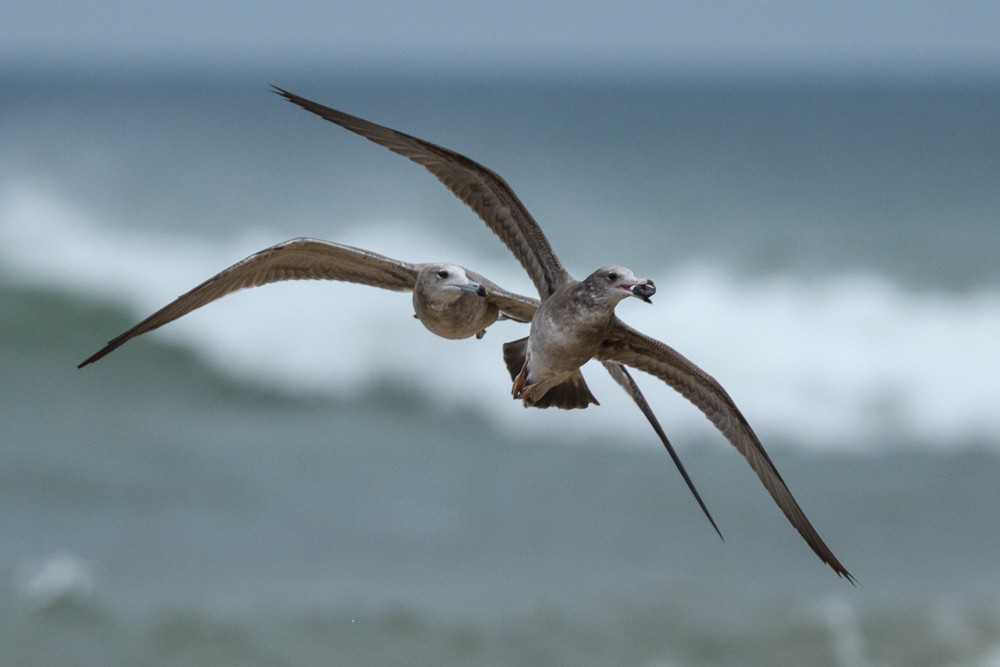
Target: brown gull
(576, 320)
(451, 301)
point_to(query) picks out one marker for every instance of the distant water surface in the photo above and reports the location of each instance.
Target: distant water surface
(301, 474)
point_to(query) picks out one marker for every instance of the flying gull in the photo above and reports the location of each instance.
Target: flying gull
(575, 321)
(449, 300)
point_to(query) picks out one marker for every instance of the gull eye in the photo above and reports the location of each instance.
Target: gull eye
(612, 276)
(442, 274)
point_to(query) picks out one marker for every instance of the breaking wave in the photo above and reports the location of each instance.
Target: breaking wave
(850, 361)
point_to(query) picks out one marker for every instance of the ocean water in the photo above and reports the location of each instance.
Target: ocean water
(301, 474)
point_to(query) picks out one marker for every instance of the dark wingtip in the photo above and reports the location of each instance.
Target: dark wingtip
(708, 515)
(291, 97)
(846, 575)
(677, 462)
(690, 484)
(106, 350)
(621, 375)
(281, 92)
(91, 359)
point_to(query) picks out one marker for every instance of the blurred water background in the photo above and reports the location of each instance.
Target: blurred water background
(301, 474)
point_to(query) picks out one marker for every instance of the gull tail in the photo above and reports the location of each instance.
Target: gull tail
(571, 394)
(514, 354)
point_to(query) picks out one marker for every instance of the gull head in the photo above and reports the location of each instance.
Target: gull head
(614, 283)
(443, 278)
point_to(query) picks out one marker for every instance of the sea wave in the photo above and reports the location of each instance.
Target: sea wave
(844, 361)
(59, 578)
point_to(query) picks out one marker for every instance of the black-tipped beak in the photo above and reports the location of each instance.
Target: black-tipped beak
(474, 287)
(644, 291)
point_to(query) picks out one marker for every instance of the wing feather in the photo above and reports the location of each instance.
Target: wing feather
(297, 259)
(480, 188)
(627, 346)
(515, 306)
(621, 375)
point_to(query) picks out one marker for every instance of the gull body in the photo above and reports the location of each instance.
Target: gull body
(564, 336)
(567, 331)
(452, 304)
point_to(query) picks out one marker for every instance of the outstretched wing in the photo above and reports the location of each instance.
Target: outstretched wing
(481, 189)
(298, 259)
(627, 346)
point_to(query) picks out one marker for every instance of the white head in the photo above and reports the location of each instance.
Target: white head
(447, 280)
(450, 304)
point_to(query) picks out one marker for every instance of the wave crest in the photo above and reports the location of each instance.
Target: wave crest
(849, 361)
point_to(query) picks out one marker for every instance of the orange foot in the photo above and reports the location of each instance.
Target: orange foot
(521, 388)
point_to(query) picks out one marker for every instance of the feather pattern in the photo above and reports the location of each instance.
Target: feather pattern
(515, 306)
(297, 259)
(480, 188)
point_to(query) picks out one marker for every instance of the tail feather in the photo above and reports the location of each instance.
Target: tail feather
(571, 394)
(514, 354)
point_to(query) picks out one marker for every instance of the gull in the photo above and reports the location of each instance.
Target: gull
(576, 321)
(449, 300)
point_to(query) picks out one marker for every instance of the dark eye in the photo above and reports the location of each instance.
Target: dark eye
(612, 276)
(442, 274)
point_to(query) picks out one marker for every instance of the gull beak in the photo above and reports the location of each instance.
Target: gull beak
(644, 290)
(474, 287)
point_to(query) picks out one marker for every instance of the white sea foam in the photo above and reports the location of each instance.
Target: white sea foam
(842, 623)
(845, 361)
(60, 577)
